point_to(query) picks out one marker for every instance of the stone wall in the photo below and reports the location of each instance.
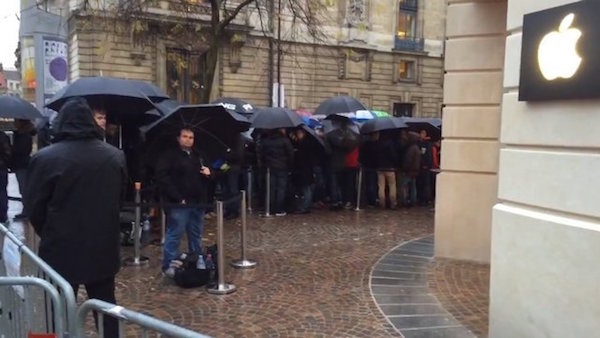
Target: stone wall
(309, 73)
(312, 74)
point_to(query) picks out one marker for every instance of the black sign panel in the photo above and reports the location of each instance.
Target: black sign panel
(560, 56)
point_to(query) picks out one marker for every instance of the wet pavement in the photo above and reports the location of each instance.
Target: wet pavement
(463, 290)
(326, 274)
(312, 278)
(399, 283)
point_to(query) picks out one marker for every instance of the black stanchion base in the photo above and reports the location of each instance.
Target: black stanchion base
(132, 261)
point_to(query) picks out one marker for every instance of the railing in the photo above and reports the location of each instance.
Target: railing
(18, 304)
(146, 323)
(410, 44)
(19, 260)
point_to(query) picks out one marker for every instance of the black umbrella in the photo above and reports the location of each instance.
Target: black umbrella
(316, 139)
(123, 97)
(275, 118)
(216, 128)
(433, 126)
(345, 135)
(13, 107)
(384, 123)
(237, 105)
(339, 105)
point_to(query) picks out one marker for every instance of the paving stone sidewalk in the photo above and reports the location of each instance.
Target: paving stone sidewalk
(312, 279)
(463, 290)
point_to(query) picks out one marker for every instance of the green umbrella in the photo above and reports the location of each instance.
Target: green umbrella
(380, 113)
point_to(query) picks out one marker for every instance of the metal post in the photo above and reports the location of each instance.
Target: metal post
(268, 194)
(163, 226)
(359, 188)
(137, 260)
(221, 288)
(249, 189)
(243, 263)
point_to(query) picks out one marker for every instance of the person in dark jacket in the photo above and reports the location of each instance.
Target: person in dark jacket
(183, 180)
(410, 166)
(386, 158)
(230, 178)
(73, 196)
(424, 178)
(44, 132)
(302, 175)
(368, 160)
(5, 150)
(278, 157)
(21, 153)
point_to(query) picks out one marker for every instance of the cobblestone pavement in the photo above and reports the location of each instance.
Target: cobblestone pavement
(312, 278)
(463, 289)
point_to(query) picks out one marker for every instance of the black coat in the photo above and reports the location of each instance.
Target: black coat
(179, 178)
(304, 161)
(367, 156)
(73, 196)
(5, 150)
(21, 149)
(386, 154)
(277, 152)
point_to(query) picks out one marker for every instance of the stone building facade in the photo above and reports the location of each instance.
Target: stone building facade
(390, 59)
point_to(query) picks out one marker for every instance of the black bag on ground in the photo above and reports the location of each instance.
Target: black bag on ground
(197, 270)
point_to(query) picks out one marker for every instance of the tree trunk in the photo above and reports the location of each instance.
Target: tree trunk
(210, 68)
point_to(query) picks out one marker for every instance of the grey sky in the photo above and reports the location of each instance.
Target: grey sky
(9, 28)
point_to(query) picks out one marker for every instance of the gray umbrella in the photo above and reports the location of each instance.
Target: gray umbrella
(13, 107)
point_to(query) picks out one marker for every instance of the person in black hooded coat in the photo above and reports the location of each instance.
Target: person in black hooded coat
(73, 196)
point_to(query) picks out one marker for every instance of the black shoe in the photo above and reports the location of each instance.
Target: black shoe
(301, 212)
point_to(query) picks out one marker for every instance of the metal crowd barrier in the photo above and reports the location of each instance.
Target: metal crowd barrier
(19, 305)
(41, 312)
(146, 324)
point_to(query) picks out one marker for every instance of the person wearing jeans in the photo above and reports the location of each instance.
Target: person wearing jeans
(410, 165)
(279, 181)
(180, 220)
(183, 180)
(303, 174)
(368, 160)
(278, 156)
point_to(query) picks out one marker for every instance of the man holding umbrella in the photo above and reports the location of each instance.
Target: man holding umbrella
(183, 181)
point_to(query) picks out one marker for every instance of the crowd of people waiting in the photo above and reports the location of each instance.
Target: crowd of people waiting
(399, 168)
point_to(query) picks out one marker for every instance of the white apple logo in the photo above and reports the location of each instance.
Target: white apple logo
(557, 53)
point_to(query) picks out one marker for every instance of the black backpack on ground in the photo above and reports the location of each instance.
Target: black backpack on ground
(197, 270)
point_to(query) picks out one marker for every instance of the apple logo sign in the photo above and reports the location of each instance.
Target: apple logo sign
(557, 52)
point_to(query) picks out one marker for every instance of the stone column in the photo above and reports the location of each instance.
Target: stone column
(467, 186)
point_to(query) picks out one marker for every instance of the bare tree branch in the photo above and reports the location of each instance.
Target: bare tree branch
(227, 20)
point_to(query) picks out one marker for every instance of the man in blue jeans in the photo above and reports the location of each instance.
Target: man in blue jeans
(278, 156)
(183, 180)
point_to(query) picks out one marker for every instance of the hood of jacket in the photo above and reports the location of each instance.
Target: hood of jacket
(75, 121)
